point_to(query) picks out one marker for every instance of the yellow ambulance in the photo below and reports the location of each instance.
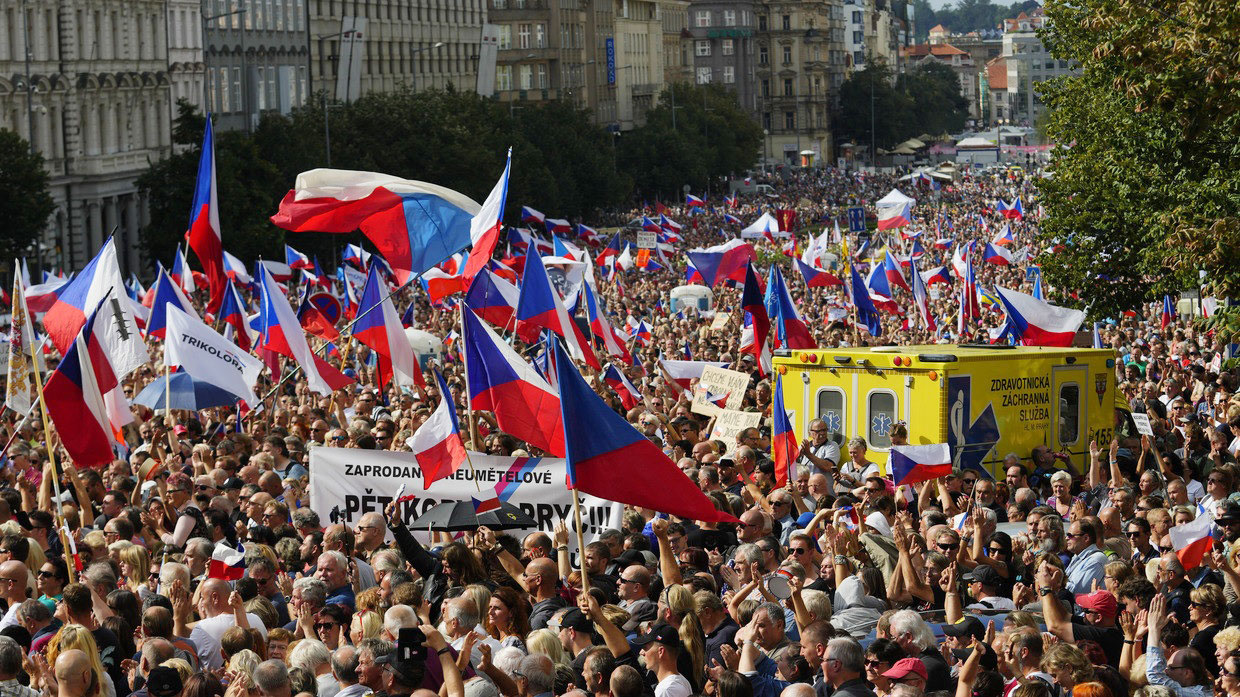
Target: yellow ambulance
(984, 401)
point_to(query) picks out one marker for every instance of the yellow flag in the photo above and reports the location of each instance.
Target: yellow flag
(21, 393)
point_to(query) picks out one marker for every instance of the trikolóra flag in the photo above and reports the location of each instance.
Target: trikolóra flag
(208, 357)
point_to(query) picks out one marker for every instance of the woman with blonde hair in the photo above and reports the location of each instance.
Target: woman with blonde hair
(678, 600)
(75, 636)
(481, 595)
(547, 643)
(240, 667)
(1116, 572)
(1068, 665)
(1226, 642)
(1207, 608)
(366, 624)
(135, 567)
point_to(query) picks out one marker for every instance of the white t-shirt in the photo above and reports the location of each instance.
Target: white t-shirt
(673, 685)
(207, 633)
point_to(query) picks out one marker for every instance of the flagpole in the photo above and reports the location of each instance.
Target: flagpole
(469, 403)
(581, 543)
(62, 529)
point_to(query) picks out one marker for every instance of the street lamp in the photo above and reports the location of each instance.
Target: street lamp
(245, 97)
(414, 83)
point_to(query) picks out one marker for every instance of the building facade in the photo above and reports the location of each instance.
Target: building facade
(542, 50)
(871, 29)
(258, 59)
(724, 47)
(187, 68)
(800, 67)
(677, 51)
(958, 60)
(96, 101)
(1028, 63)
(402, 44)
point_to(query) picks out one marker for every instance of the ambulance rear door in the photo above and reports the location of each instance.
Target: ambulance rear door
(1070, 422)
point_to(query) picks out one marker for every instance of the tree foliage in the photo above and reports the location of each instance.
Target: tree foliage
(712, 137)
(25, 203)
(924, 99)
(1148, 191)
(966, 15)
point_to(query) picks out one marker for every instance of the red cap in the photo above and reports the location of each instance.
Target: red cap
(904, 666)
(1102, 601)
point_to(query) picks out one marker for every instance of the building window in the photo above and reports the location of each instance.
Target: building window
(858, 37)
(701, 48)
(788, 88)
(790, 120)
(729, 18)
(763, 55)
(703, 75)
(787, 55)
(503, 78)
(702, 18)
(766, 88)
(525, 74)
(761, 22)
(499, 4)
(540, 36)
(786, 23)
(523, 37)
(505, 37)
(729, 74)
(857, 17)
(728, 47)
(766, 120)
(542, 76)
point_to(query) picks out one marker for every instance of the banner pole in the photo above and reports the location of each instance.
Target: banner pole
(581, 543)
(51, 449)
(469, 404)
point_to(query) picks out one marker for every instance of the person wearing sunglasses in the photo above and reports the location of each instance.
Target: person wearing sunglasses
(880, 656)
(1185, 671)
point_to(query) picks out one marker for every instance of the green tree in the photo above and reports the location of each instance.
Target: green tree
(869, 96)
(933, 88)
(25, 203)
(1148, 192)
(711, 137)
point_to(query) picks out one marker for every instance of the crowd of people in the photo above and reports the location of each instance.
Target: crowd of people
(1037, 582)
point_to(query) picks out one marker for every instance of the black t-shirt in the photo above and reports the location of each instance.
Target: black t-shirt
(1203, 641)
(106, 641)
(1109, 638)
(937, 670)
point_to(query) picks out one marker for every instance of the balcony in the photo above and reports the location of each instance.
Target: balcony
(527, 55)
(645, 88)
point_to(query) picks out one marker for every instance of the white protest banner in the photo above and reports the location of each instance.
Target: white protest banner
(721, 321)
(729, 424)
(348, 483)
(209, 357)
(647, 239)
(1142, 422)
(721, 383)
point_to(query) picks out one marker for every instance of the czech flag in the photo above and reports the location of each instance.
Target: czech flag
(601, 327)
(693, 201)
(790, 330)
(502, 382)
(1168, 312)
(378, 326)
(493, 298)
(81, 295)
(523, 240)
(226, 563)
(585, 232)
(485, 227)
(893, 272)
(649, 225)
(817, 278)
(939, 275)
(439, 284)
(485, 505)
(722, 262)
(784, 449)
(297, 260)
(539, 305)
(730, 201)
(1004, 237)
(606, 457)
(529, 215)
(894, 217)
(437, 445)
(1193, 540)
(1098, 336)
(614, 245)
(166, 293)
(75, 391)
(859, 295)
(615, 378)
(204, 221)
(181, 272)
(913, 464)
(1014, 210)
(683, 373)
(281, 333)
(414, 225)
(729, 218)
(354, 254)
(1000, 256)
(944, 243)
(1039, 323)
(233, 312)
(751, 302)
(558, 226)
(916, 252)
(235, 270)
(921, 299)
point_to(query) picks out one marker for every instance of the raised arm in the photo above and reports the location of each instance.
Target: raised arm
(613, 637)
(953, 608)
(1058, 622)
(668, 565)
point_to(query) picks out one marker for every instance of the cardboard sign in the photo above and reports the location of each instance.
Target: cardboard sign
(646, 239)
(1143, 424)
(729, 424)
(721, 321)
(719, 384)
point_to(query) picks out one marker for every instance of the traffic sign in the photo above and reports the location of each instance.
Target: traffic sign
(327, 304)
(856, 219)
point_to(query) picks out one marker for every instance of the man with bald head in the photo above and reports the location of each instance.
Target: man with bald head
(73, 673)
(755, 525)
(369, 533)
(540, 578)
(13, 576)
(634, 592)
(217, 618)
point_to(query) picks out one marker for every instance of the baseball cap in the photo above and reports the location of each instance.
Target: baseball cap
(629, 557)
(163, 681)
(232, 483)
(576, 619)
(663, 633)
(986, 575)
(1100, 601)
(906, 666)
(1230, 514)
(965, 627)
